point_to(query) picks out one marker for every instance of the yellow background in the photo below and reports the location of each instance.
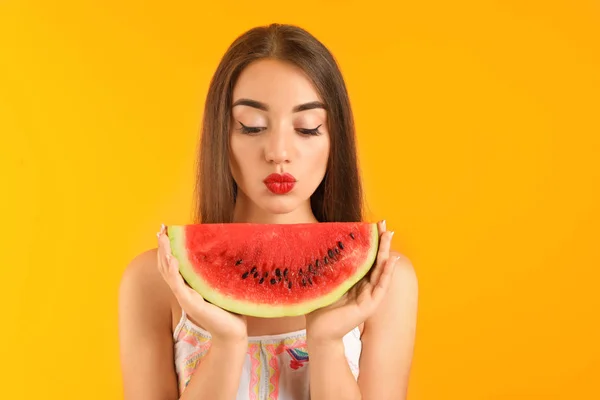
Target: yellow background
(478, 128)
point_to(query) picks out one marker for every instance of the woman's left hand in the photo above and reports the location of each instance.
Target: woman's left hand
(331, 323)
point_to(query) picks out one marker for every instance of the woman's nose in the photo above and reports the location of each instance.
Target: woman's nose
(277, 143)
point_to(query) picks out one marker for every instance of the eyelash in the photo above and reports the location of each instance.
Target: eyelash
(250, 130)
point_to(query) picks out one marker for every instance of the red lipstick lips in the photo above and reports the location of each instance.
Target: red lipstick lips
(280, 184)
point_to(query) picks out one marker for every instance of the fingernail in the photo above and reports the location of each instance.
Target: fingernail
(162, 228)
(383, 224)
(391, 233)
(158, 234)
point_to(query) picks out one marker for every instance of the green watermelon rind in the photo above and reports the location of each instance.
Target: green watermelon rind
(178, 249)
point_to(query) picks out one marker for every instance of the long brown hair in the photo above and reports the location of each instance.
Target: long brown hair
(339, 196)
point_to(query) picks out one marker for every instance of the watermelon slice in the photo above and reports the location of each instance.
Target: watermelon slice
(274, 270)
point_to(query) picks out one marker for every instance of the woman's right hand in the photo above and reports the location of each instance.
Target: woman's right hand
(224, 326)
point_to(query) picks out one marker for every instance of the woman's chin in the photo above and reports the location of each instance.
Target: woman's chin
(267, 203)
(283, 204)
(279, 207)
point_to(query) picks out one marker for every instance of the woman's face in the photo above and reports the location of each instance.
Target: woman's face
(279, 138)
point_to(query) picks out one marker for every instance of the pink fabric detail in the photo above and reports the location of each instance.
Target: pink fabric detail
(201, 346)
(254, 352)
(295, 364)
(274, 350)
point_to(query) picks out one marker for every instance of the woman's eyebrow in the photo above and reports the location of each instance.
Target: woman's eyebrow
(251, 103)
(262, 106)
(309, 106)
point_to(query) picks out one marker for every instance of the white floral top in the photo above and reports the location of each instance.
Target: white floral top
(276, 366)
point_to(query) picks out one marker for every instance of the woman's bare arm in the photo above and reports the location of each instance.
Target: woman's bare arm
(145, 331)
(389, 337)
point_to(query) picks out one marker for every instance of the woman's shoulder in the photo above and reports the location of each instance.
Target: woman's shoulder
(400, 301)
(404, 286)
(142, 289)
(141, 273)
(404, 273)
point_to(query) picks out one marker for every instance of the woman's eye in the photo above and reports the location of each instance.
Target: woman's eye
(314, 131)
(257, 129)
(250, 129)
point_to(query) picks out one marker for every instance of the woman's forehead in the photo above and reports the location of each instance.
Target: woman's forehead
(275, 86)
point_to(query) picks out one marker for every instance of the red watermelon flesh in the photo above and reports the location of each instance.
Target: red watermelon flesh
(274, 270)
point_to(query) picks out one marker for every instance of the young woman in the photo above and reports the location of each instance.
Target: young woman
(277, 105)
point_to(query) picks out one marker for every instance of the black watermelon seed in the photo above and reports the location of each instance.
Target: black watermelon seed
(289, 285)
(266, 274)
(256, 274)
(309, 281)
(273, 281)
(245, 274)
(337, 251)
(341, 245)
(326, 260)
(330, 253)
(317, 264)
(300, 272)
(253, 270)
(261, 280)
(285, 272)
(303, 282)
(352, 235)
(238, 262)
(277, 272)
